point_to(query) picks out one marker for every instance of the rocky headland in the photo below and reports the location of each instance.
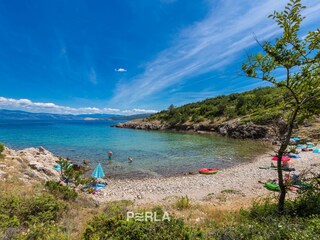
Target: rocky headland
(230, 129)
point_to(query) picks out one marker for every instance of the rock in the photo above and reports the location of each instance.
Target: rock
(238, 130)
(41, 150)
(35, 165)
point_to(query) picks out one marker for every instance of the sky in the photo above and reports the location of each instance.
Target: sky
(130, 56)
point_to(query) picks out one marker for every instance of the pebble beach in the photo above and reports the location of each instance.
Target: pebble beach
(241, 180)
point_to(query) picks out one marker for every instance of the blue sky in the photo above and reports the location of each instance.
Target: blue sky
(128, 56)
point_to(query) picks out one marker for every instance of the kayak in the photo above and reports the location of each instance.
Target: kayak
(208, 170)
(272, 186)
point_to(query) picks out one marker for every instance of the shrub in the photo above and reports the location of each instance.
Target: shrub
(264, 117)
(117, 208)
(279, 229)
(308, 201)
(104, 227)
(22, 213)
(183, 203)
(43, 231)
(61, 191)
(1, 150)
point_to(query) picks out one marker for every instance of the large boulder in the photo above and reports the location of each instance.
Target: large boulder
(238, 130)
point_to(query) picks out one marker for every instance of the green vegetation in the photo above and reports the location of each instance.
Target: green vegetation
(71, 173)
(104, 227)
(30, 217)
(262, 221)
(1, 150)
(40, 215)
(259, 106)
(299, 59)
(183, 203)
(61, 191)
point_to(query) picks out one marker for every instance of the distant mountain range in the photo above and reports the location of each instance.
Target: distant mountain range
(22, 115)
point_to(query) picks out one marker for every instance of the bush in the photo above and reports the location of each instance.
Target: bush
(263, 117)
(183, 203)
(104, 227)
(279, 229)
(308, 202)
(1, 150)
(261, 221)
(22, 213)
(61, 191)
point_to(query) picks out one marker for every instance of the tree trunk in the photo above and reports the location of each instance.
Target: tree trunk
(282, 186)
(283, 147)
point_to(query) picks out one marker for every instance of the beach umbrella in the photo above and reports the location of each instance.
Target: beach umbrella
(283, 159)
(316, 150)
(57, 167)
(98, 172)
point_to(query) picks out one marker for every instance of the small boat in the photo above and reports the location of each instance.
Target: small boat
(272, 186)
(208, 170)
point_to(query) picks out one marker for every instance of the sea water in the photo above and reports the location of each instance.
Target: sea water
(154, 153)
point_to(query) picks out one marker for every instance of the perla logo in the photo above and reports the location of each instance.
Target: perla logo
(148, 216)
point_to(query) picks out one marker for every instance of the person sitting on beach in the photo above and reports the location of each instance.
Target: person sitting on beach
(285, 164)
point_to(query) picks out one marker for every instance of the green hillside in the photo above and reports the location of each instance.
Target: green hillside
(259, 106)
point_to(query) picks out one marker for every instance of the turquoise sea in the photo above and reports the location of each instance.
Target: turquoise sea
(154, 153)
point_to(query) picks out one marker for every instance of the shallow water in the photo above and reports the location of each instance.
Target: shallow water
(154, 153)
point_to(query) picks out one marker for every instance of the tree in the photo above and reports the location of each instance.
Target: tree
(299, 58)
(72, 172)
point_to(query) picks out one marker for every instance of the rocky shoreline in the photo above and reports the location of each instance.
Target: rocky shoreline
(29, 165)
(33, 165)
(228, 129)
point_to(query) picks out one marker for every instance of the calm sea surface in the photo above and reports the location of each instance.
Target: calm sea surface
(154, 153)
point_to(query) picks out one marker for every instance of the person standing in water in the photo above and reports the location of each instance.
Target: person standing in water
(130, 159)
(110, 153)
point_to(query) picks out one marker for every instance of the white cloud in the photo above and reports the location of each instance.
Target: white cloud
(138, 111)
(28, 105)
(120, 70)
(93, 76)
(207, 46)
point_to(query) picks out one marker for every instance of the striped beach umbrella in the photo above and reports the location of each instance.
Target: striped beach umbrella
(98, 172)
